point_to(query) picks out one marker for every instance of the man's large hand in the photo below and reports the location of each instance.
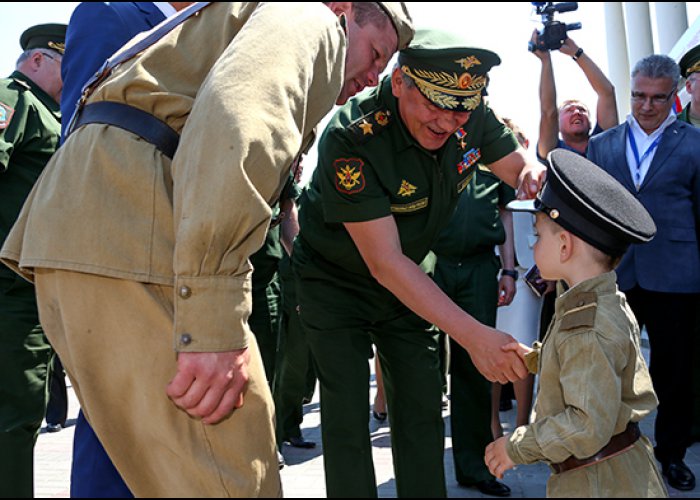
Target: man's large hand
(210, 385)
(493, 362)
(530, 181)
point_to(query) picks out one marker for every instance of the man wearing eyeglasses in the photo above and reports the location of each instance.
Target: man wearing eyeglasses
(30, 130)
(657, 157)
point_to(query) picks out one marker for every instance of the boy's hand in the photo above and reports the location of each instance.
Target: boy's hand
(497, 459)
(518, 348)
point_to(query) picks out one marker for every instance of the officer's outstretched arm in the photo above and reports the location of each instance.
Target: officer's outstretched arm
(380, 247)
(517, 170)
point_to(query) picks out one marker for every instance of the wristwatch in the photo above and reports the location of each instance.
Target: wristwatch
(578, 54)
(510, 272)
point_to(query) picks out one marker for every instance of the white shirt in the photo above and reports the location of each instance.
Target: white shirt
(644, 142)
(165, 7)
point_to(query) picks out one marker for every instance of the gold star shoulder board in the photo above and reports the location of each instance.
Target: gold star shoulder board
(370, 125)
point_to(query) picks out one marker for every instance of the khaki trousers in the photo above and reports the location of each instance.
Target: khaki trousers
(115, 338)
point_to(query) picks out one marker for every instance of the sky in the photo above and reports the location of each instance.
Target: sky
(503, 27)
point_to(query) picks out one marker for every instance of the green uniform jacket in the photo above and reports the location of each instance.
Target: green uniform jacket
(370, 167)
(30, 129)
(684, 115)
(476, 225)
(593, 381)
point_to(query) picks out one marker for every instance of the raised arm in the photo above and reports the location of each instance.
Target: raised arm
(549, 115)
(606, 108)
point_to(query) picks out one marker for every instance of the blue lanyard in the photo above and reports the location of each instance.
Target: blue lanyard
(635, 152)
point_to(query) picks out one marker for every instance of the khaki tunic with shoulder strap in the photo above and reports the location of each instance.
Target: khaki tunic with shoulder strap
(131, 249)
(593, 382)
(111, 204)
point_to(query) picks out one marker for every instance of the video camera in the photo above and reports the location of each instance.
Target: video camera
(553, 34)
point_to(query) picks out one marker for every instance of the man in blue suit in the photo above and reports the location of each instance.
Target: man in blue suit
(657, 158)
(97, 30)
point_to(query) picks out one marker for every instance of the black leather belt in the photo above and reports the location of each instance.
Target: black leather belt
(131, 119)
(617, 445)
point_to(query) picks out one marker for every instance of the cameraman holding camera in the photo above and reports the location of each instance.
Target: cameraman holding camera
(572, 118)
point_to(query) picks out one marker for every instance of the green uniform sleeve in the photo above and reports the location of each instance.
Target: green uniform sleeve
(498, 140)
(506, 194)
(349, 185)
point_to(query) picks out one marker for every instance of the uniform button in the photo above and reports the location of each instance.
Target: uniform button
(186, 339)
(185, 292)
(581, 303)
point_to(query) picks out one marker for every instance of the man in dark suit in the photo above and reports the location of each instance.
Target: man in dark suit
(97, 30)
(657, 158)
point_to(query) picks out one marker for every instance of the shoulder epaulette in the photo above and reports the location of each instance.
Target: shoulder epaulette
(582, 315)
(370, 125)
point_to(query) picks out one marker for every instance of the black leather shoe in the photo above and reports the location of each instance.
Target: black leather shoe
(493, 488)
(678, 475)
(53, 427)
(300, 442)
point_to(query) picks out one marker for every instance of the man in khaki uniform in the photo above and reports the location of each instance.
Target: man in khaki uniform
(135, 254)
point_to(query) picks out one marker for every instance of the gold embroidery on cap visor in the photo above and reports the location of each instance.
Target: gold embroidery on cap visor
(468, 62)
(448, 91)
(58, 47)
(695, 67)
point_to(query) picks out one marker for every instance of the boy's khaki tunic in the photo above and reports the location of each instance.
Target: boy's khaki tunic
(593, 382)
(161, 248)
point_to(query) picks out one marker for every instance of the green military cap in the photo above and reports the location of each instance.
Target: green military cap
(690, 62)
(587, 201)
(44, 36)
(447, 70)
(401, 19)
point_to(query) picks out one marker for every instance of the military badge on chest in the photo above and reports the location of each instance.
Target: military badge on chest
(468, 160)
(349, 178)
(406, 189)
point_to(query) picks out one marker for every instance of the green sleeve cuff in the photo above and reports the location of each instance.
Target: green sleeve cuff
(356, 212)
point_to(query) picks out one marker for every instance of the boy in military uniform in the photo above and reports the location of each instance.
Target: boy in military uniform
(392, 164)
(594, 384)
(30, 131)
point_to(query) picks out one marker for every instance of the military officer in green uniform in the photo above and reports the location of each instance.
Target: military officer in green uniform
(690, 70)
(30, 131)
(390, 170)
(265, 316)
(467, 271)
(294, 376)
